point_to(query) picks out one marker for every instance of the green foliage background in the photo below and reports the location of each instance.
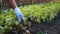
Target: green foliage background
(41, 11)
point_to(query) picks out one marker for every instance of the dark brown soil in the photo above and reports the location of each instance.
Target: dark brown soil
(49, 28)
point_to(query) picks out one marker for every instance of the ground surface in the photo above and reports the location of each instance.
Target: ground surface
(50, 28)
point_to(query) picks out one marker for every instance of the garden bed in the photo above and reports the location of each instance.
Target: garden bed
(39, 17)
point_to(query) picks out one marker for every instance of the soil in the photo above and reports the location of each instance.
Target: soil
(49, 28)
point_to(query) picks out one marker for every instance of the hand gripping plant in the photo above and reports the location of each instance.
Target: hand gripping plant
(17, 11)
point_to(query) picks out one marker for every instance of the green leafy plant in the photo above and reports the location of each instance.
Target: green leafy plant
(42, 11)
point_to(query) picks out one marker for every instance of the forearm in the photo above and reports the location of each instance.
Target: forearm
(11, 3)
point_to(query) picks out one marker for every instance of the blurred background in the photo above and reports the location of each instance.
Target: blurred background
(4, 5)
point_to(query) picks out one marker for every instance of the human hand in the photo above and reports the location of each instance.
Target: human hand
(19, 14)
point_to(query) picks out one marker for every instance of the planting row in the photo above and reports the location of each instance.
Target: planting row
(37, 12)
